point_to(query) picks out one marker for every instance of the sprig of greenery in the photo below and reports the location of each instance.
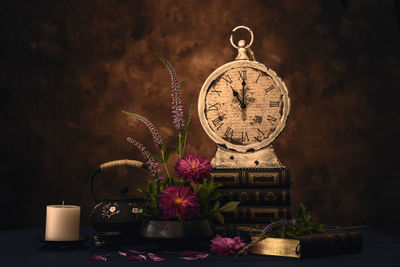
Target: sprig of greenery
(301, 225)
(209, 201)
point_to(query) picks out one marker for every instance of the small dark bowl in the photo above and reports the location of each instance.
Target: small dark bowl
(176, 236)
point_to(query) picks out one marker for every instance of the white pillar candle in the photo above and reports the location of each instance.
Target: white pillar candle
(62, 222)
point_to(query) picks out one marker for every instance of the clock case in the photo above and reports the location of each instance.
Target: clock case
(258, 155)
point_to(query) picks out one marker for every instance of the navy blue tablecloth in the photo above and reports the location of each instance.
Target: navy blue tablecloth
(21, 248)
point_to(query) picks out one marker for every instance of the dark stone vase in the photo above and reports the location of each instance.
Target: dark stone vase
(176, 236)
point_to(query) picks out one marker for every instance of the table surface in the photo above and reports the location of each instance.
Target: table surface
(22, 248)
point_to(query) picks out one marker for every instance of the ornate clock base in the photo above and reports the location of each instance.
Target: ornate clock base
(228, 159)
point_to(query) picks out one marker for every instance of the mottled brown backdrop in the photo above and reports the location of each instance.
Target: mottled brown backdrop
(68, 68)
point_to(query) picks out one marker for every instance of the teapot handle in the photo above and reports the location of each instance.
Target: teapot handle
(115, 163)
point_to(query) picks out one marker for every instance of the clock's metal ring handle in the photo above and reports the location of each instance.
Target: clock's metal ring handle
(251, 36)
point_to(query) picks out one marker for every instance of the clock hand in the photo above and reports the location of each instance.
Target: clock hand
(243, 86)
(235, 94)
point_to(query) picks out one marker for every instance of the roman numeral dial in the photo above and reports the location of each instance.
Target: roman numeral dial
(244, 106)
(213, 107)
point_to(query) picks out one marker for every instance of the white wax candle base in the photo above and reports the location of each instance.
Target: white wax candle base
(62, 223)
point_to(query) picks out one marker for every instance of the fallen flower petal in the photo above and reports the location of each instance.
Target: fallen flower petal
(196, 257)
(189, 258)
(193, 255)
(143, 257)
(134, 258)
(122, 253)
(189, 253)
(202, 255)
(154, 257)
(135, 251)
(105, 257)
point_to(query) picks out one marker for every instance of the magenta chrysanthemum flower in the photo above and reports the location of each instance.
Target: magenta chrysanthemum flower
(178, 201)
(150, 126)
(224, 246)
(152, 165)
(177, 108)
(193, 167)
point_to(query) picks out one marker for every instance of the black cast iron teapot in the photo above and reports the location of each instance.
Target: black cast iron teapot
(120, 214)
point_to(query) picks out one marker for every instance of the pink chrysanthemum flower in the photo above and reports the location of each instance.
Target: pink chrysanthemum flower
(225, 246)
(193, 167)
(178, 201)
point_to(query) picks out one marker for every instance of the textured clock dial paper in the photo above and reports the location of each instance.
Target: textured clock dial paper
(243, 106)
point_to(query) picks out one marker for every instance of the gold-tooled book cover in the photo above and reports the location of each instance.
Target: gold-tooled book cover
(260, 177)
(314, 245)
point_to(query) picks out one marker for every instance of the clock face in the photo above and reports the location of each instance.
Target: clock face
(244, 107)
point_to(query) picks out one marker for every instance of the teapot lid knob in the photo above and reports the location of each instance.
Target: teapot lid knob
(123, 190)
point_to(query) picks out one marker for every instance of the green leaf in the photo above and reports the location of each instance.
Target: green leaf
(303, 214)
(215, 196)
(157, 158)
(129, 113)
(189, 121)
(157, 55)
(216, 185)
(144, 193)
(160, 147)
(152, 188)
(177, 144)
(320, 228)
(229, 206)
(163, 186)
(216, 205)
(219, 217)
(166, 153)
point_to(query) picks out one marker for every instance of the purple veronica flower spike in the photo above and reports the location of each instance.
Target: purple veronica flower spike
(152, 165)
(273, 224)
(177, 108)
(150, 125)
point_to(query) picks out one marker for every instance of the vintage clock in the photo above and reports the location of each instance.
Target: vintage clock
(243, 107)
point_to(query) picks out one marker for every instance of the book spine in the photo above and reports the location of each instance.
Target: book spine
(262, 196)
(257, 214)
(331, 244)
(262, 177)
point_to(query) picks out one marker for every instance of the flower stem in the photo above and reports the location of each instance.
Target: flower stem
(184, 142)
(187, 127)
(180, 144)
(165, 163)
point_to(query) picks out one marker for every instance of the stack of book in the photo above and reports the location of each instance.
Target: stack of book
(264, 194)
